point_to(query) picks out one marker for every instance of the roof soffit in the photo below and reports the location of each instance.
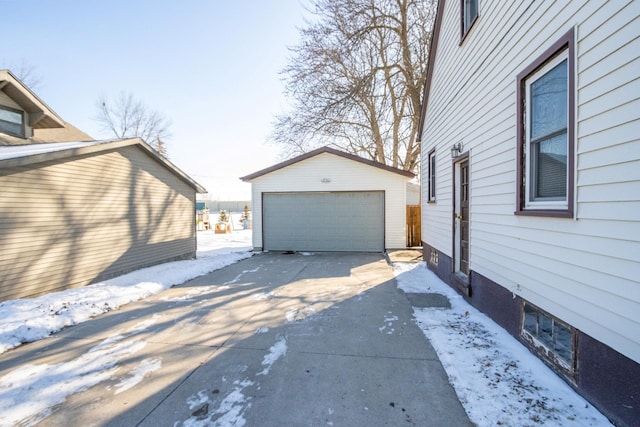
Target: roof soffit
(41, 116)
(324, 150)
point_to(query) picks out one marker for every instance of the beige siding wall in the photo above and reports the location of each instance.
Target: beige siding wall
(8, 102)
(585, 270)
(71, 223)
(345, 175)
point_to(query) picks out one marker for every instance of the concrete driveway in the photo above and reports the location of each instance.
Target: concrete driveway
(274, 340)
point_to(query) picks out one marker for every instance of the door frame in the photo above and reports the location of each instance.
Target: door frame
(459, 278)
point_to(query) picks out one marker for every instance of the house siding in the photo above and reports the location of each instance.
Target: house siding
(73, 222)
(8, 102)
(345, 175)
(582, 270)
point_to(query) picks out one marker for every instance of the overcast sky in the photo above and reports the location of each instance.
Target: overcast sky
(210, 66)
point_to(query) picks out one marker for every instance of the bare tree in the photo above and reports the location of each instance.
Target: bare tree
(26, 72)
(355, 80)
(127, 117)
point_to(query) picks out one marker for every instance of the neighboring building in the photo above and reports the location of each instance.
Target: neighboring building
(531, 180)
(328, 200)
(413, 194)
(202, 216)
(76, 212)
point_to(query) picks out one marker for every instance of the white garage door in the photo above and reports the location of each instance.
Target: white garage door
(339, 221)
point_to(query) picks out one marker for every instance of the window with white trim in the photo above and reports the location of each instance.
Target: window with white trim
(546, 136)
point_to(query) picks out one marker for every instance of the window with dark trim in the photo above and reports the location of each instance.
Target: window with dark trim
(432, 176)
(12, 121)
(468, 16)
(545, 150)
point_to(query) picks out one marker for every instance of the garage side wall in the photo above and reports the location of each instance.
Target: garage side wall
(68, 224)
(338, 174)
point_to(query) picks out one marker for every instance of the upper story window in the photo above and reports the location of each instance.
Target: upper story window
(12, 121)
(469, 14)
(432, 176)
(545, 144)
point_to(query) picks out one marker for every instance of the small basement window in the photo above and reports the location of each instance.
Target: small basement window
(11, 121)
(555, 337)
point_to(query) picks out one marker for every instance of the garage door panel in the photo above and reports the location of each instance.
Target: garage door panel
(340, 221)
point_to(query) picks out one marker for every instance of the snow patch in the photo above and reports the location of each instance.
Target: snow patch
(28, 393)
(30, 319)
(500, 381)
(139, 373)
(229, 413)
(276, 351)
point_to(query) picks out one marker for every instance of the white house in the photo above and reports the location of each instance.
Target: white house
(328, 200)
(531, 180)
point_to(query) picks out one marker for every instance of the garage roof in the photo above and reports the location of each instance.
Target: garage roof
(29, 154)
(328, 150)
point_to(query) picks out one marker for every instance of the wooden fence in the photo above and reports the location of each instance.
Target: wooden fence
(414, 230)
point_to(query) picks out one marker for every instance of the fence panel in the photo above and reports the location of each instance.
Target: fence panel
(414, 229)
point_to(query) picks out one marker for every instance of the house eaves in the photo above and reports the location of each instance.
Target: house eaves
(27, 155)
(433, 48)
(40, 115)
(323, 150)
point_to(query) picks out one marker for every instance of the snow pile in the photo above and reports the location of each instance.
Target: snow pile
(27, 320)
(498, 381)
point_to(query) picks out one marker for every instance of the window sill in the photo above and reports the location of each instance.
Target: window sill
(545, 213)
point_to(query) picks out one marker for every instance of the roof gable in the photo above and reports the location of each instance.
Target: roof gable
(32, 154)
(40, 115)
(323, 150)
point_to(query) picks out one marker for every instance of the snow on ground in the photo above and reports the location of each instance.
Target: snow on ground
(31, 319)
(29, 393)
(498, 381)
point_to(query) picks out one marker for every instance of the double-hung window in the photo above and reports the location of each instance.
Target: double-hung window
(545, 143)
(11, 121)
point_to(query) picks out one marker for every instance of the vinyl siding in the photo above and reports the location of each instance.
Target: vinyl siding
(69, 223)
(8, 102)
(345, 175)
(585, 270)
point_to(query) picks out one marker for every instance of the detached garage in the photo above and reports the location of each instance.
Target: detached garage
(328, 200)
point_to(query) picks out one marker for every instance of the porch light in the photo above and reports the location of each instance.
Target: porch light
(456, 149)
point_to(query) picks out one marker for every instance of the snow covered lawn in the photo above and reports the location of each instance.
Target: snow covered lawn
(497, 380)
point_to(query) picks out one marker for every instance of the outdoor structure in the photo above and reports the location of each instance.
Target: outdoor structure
(531, 183)
(328, 200)
(76, 212)
(202, 216)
